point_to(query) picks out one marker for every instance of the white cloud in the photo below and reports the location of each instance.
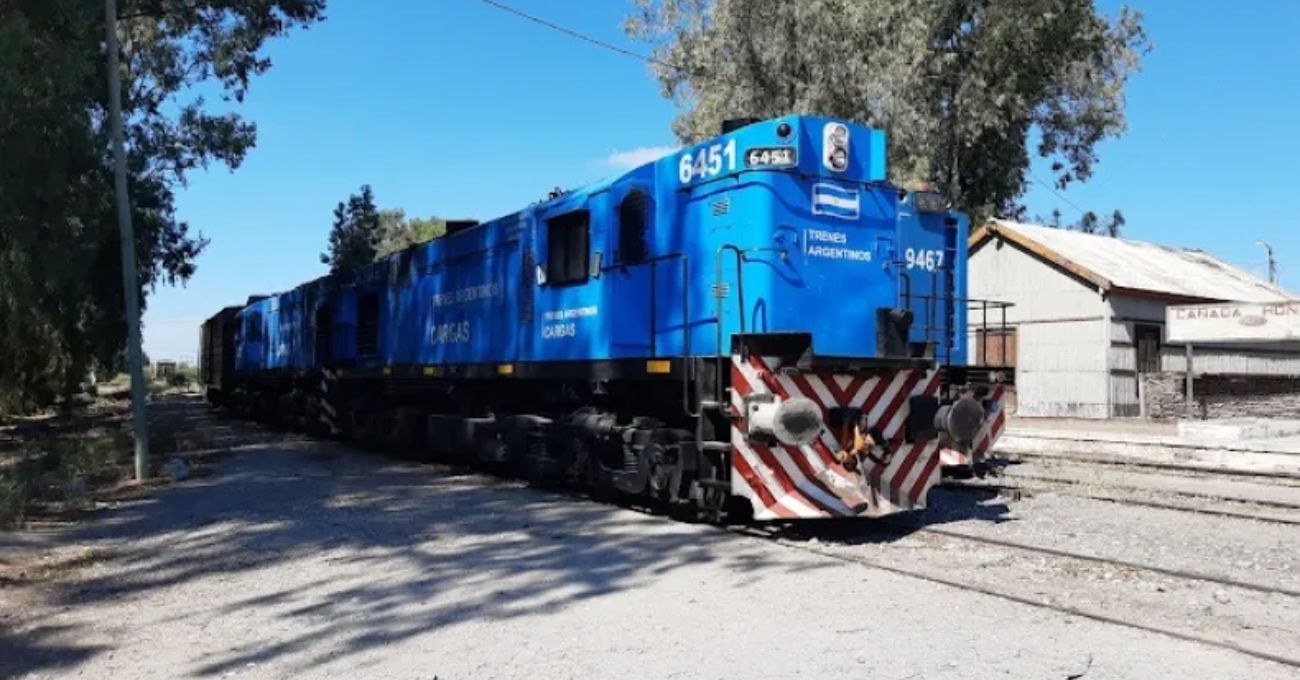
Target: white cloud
(634, 158)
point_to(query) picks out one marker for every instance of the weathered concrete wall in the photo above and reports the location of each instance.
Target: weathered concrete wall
(1222, 396)
(1060, 329)
(1062, 369)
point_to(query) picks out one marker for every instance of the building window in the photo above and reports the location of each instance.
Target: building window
(567, 248)
(368, 324)
(633, 219)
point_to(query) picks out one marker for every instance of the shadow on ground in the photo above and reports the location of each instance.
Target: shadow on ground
(331, 552)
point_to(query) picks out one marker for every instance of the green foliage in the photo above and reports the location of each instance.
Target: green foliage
(397, 232)
(1089, 223)
(185, 376)
(355, 234)
(959, 85)
(61, 302)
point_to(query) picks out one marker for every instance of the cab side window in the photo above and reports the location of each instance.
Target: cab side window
(633, 220)
(568, 246)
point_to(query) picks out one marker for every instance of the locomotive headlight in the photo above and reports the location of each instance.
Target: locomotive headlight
(839, 135)
(796, 421)
(835, 147)
(839, 159)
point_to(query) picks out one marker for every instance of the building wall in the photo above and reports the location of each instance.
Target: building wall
(1002, 271)
(1062, 369)
(1061, 326)
(1221, 360)
(1076, 350)
(1222, 396)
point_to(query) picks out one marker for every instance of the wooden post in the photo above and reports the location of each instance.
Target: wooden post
(1190, 392)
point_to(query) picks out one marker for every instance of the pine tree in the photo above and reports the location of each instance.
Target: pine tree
(355, 233)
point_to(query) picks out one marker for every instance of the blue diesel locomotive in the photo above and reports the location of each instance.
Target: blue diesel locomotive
(759, 325)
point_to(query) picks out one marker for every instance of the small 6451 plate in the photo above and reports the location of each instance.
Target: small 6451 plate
(771, 157)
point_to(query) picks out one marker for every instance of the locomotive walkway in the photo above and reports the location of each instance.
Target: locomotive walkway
(315, 560)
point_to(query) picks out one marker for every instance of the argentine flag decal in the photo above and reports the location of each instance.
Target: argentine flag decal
(836, 201)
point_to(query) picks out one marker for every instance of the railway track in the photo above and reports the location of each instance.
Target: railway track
(1106, 561)
(1041, 603)
(1259, 496)
(1080, 490)
(839, 543)
(1277, 478)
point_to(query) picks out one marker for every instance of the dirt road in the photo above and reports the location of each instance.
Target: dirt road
(315, 560)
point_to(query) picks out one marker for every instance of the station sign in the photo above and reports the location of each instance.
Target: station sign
(1233, 321)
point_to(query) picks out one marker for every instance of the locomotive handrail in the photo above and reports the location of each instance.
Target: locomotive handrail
(741, 259)
(983, 306)
(686, 318)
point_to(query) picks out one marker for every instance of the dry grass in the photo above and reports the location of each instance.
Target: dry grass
(54, 471)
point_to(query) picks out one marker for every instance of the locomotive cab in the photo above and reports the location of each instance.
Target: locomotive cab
(839, 295)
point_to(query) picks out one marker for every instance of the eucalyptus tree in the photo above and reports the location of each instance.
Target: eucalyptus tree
(968, 90)
(61, 302)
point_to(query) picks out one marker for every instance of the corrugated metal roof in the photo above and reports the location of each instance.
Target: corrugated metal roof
(1113, 263)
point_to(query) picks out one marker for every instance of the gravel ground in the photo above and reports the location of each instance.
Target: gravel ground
(320, 561)
(1244, 618)
(1261, 553)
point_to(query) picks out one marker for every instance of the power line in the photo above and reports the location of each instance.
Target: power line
(659, 62)
(1056, 193)
(580, 36)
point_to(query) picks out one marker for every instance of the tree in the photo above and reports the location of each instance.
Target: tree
(355, 234)
(959, 85)
(397, 232)
(1088, 223)
(1115, 225)
(61, 302)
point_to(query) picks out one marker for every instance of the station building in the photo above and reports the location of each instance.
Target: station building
(1086, 329)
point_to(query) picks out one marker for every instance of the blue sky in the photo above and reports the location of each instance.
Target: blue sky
(456, 109)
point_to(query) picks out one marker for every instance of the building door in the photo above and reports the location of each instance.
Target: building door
(1147, 339)
(995, 347)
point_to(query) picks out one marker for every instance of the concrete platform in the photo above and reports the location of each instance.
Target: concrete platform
(1234, 429)
(1155, 443)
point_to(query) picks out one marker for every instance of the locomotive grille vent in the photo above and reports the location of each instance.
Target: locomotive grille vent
(721, 207)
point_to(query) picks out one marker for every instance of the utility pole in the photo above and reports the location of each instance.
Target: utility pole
(130, 281)
(1272, 263)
